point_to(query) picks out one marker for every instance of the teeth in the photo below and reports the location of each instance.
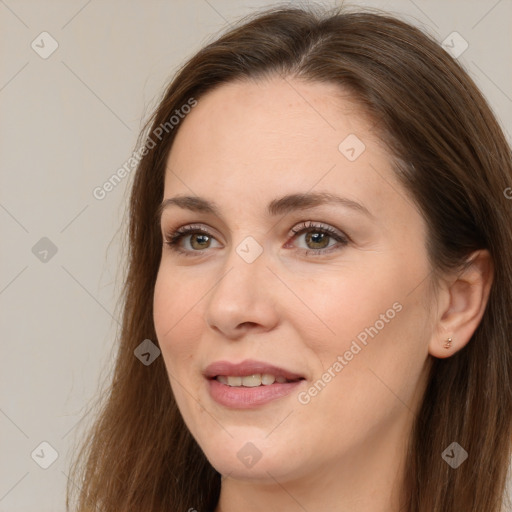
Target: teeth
(267, 379)
(234, 381)
(250, 381)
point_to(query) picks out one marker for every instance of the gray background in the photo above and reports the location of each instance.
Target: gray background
(68, 122)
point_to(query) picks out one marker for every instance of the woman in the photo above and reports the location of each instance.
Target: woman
(320, 245)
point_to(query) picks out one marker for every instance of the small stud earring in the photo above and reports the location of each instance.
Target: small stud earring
(448, 343)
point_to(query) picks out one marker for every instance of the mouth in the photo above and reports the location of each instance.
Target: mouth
(250, 383)
(254, 380)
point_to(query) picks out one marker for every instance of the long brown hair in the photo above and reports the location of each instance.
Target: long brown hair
(452, 157)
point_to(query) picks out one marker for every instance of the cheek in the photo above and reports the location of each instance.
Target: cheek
(373, 322)
(175, 313)
(363, 387)
(344, 302)
(178, 325)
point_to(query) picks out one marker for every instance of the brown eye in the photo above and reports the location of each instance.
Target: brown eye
(317, 240)
(190, 240)
(199, 241)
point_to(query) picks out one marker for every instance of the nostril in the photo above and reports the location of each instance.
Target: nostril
(247, 325)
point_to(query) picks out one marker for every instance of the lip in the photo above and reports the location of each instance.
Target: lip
(248, 397)
(247, 367)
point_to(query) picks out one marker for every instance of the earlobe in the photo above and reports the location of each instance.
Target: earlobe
(467, 294)
(448, 343)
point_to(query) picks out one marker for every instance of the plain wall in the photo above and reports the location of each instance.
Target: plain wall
(67, 123)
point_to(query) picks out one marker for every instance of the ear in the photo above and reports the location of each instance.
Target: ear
(461, 305)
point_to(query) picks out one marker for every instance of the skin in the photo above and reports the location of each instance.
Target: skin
(244, 145)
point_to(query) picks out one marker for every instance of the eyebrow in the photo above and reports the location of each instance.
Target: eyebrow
(280, 206)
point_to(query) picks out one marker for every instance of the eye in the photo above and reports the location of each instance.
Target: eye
(191, 239)
(309, 237)
(316, 238)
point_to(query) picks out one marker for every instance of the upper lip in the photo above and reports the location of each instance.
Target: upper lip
(247, 367)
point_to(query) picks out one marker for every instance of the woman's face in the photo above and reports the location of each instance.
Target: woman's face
(297, 255)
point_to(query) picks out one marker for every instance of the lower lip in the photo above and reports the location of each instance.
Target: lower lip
(245, 398)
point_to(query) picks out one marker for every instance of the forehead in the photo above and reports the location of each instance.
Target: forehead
(270, 118)
(277, 136)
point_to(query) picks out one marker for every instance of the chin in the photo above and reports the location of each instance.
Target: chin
(250, 457)
(262, 470)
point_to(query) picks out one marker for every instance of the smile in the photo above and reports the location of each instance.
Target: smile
(242, 397)
(249, 384)
(252, 381)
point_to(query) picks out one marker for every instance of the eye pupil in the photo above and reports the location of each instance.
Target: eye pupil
(317, 240)
(199, 241)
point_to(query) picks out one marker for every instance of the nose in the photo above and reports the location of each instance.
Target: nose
(244, 299)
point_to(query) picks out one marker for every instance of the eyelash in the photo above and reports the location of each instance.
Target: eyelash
(174, 238)
(314, 227)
